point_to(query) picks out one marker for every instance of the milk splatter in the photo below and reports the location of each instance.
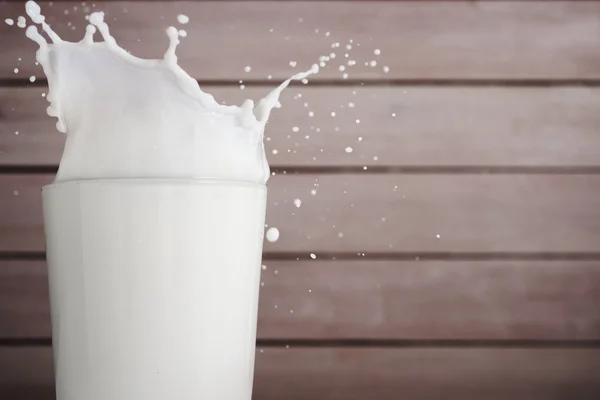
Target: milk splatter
(272, 234)
(147, 118)
(9, 21)
(183, 19)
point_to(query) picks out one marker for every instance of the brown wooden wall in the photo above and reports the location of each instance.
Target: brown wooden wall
(457, 246)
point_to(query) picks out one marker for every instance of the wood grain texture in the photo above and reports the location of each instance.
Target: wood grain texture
(418, 40)
(382, 374)
(389, 300)
(398, 126)
(387, 213)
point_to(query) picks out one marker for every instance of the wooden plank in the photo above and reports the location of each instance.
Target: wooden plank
(418, 300)
(387, 213)
(418, 40)
(399, 126)
(374, 373)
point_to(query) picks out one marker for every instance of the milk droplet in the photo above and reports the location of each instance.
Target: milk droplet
(182, 33)
(293, 63)
(394, 115)
(313, 256)
(377, 52)
(358, 121)
(386, 69)
(183, 19)
(32, 79)
(21, 22)
(297, 203)
(274, 151)
(311, 114)
(438, 236)
(341, 234)
(15, 192)
(333, 113)
(351, 105)
(247, 69)
(345, 76)
(349, 149)
(342, 68)
(373, 63)
(16, 70)
(9, 21)
(272, 234)
(313, 192)
(264, 267)
(16, 132)
(295, 129)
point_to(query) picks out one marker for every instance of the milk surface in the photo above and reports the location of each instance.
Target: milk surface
(127, 117)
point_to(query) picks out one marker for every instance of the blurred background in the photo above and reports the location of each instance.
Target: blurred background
(437, 190)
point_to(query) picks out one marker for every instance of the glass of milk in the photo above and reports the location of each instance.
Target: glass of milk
(154, 287)
(154, 224)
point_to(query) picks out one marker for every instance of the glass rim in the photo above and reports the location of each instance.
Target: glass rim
(164, 180)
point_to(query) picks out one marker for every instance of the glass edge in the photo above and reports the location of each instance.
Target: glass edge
(171, 181)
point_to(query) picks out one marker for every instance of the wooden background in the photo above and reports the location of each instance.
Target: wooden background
(457, 246)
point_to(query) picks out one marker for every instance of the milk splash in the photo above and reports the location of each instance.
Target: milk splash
(127, 117)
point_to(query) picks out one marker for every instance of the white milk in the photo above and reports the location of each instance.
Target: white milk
(127, 117)
(154, 225)
(154, 287)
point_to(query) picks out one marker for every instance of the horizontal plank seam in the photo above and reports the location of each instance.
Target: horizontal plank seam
(374, 256)
(446, 82)
(273, 1)
(442, 169)
(378, 169)
(378, 343)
